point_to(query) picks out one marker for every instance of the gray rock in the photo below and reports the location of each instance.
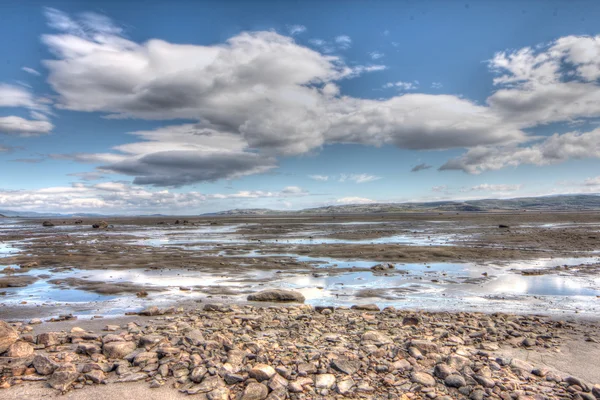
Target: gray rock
(345, 385)
(63, 377)
(344, 365)
(43, 365)
(443, 371)
(277, 295)
(455, 381)
(366, 307)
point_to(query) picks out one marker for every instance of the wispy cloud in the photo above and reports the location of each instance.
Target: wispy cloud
(31, 71)
(358, 178)
(343, 41)
(420, 167)
(400, 85)
(296, 29)
(436, 85)
(321, 178)
(376, 55)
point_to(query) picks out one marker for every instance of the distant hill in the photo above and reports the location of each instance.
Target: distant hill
(547, 203)
(578, 202)
(2, 216)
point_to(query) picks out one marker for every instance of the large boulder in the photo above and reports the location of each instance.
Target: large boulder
(279, 295)
(47, 223)
(8, 336)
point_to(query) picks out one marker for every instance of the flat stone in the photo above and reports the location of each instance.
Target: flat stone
(344, 365)
(221, 393)
(366, 307)
(515, 363)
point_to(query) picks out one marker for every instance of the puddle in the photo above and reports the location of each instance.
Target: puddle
(7, 250)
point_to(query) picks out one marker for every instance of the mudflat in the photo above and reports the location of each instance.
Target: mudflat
(426, 290)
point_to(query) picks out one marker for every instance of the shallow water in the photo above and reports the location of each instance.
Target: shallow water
(435, 286)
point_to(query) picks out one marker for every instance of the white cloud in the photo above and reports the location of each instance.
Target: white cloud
(358, 178)
(440, 188)
(552, 150)
(31, 71)
(322, 178)
(17, 96)
(20, 126)
(296, 29)
(436, 85)
(354, 200)
(121, 198)
(279, 98)
(376, 55)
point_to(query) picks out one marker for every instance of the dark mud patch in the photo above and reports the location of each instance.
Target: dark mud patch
(17, 281)
(105, 288)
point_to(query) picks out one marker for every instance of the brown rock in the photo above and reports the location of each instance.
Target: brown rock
(8, 336)
(44, 365)
(20, 349)
(255, 391)
(63, 377)
(277, 295)
(118, 349)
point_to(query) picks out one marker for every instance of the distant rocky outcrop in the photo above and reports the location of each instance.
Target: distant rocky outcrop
(278, 295)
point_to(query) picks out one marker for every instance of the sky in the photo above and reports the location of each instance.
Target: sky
(187, 107)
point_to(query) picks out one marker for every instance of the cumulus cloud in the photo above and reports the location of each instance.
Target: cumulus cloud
(354, 200)
(552, 150)
(420, 167)
(275, 96)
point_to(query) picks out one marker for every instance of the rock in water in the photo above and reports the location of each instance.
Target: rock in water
(47, 223)
(8, 335)
(277, 295)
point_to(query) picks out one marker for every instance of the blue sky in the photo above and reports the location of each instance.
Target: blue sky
(184, 107)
